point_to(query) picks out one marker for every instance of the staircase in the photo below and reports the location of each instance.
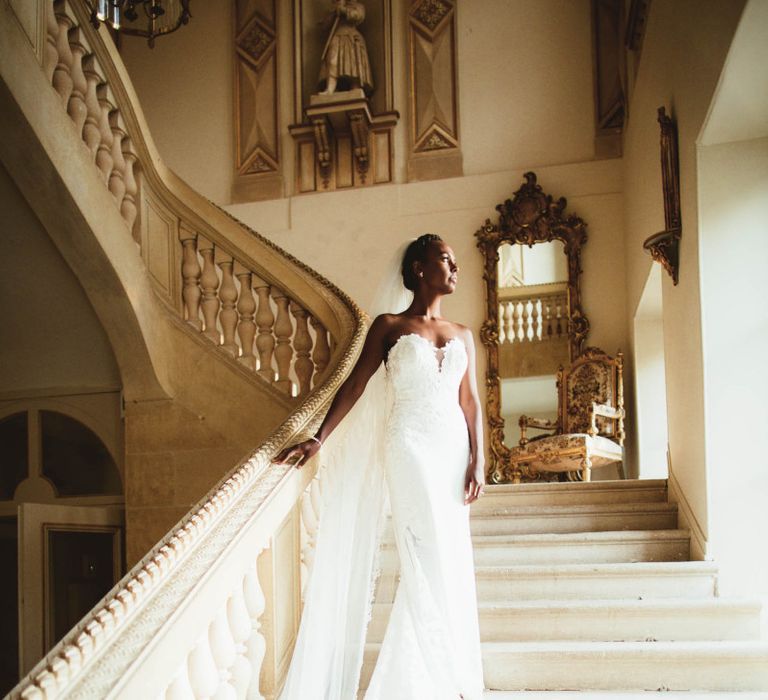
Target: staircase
(589, 587)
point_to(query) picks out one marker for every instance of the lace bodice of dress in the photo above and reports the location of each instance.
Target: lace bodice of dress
(418, 370)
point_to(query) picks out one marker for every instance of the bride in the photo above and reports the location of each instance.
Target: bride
(427, 422)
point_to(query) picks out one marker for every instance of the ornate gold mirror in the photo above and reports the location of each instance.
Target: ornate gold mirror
(534, 321)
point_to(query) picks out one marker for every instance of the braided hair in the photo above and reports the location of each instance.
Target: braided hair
(416, 251)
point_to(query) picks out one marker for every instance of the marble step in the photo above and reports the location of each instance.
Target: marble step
(628, 491)
(619, 695)
(617, 666)
(582, 548)
(676, 580)
(515, 519)
(607, 620)
(712, 666)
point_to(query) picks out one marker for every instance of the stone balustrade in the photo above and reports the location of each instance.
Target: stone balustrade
(240, 308)
(533, 318)
(201, 615)
(250, 318)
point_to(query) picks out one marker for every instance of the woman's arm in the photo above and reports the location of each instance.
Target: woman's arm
(470, 405)
(349, 392)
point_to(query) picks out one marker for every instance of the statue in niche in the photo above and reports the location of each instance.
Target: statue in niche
(344, 62)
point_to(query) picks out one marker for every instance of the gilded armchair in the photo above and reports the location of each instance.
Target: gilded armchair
(589, 430)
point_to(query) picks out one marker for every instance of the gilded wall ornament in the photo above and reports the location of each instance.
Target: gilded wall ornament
(664, 246)
(529, 217)
(431, 12)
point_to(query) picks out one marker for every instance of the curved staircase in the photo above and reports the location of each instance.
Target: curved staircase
(584, 586)
(589, 587)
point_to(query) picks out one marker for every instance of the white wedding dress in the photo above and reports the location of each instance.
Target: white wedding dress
(431, 648)
(407, 435)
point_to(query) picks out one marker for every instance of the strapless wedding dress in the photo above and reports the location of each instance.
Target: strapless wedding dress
(431, 647)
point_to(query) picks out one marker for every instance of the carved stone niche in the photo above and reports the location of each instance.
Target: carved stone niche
(344, 139)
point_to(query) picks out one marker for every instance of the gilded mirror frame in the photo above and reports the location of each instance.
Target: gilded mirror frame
(529, 217)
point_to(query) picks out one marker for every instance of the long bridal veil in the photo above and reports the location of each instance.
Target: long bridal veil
(328, 655)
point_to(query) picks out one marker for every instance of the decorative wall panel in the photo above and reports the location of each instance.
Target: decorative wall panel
(344, 139)
(434, 122)
(257, 151)
(609, 75)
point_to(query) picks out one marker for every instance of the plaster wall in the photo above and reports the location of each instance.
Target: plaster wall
(51, 338)
(524, 72)
(684, 49)
(733, 190)
(353, 237)
(186, 92)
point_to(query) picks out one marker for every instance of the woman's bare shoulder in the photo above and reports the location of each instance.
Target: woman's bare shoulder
(461, 331)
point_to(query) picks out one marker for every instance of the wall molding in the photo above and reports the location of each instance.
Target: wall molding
(686, 519)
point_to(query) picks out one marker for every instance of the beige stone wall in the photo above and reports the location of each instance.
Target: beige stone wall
(185, 87)
(683, 39)
(525, 89)
(352, 237)
(733, 186)
(51, 337)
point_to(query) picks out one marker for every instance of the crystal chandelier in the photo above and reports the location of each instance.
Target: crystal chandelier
(147, 18)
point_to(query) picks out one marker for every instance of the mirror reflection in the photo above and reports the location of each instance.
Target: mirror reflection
(533, 330)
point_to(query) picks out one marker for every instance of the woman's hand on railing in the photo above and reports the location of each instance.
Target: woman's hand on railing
(301, 452)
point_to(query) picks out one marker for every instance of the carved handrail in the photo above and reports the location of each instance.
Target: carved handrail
(186, 621)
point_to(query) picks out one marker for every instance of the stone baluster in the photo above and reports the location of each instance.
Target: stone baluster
(76, 107)
(256, 646)
(203, 674)
(180, 688)
(246, 308)
(528, 309)
(223, 652)
(518, 321)
(228, 298)
(265, 319)
(128, 208)
(283, 333)
(190, 275)
(104, 150)
(537, 319)
(62, 73)
(51, 57)
(559, 319)
(91, 131)
(117, 176)
(548, 330)
(240, 629)
(509, 321)
(209, 282)
(302, 344)
(322, 352)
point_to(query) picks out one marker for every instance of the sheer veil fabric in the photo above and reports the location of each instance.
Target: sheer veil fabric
(328, 656)
(406, 438)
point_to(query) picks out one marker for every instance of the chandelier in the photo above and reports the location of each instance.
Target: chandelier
(147, 18)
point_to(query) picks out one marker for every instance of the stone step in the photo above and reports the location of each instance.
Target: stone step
(676, 580)
(601, 517)
(617, 666)
(626, 491)
(607, 620)
(711, 666)
(582, 548)
(618, 695)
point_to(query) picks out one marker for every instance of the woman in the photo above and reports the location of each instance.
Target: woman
(433, 462)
